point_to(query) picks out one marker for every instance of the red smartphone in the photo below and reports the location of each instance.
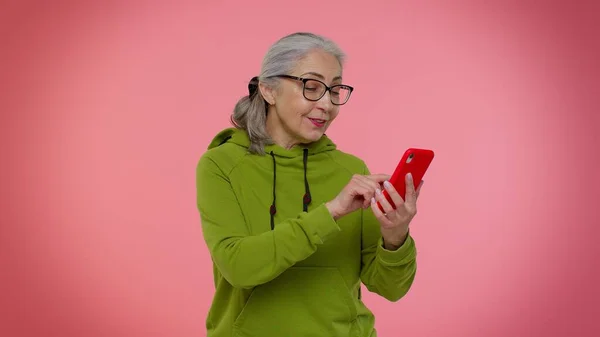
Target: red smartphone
(415, 161)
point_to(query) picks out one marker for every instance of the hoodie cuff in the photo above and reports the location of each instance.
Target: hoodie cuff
(320, 225)
(402, 255)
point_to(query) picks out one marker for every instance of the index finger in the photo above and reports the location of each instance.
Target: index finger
(380, 178)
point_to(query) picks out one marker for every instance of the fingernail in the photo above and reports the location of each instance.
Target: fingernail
(409, 176)
(387, 184)
(372, 200)
(378, 191)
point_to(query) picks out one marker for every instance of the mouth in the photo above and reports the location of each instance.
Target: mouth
(318, 122)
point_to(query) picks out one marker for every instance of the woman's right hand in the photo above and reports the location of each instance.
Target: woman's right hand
(356, 194)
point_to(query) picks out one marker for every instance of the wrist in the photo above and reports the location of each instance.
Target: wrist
(394, 242)
(332, 210)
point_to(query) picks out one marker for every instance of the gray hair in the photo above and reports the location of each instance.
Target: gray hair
(250, 112)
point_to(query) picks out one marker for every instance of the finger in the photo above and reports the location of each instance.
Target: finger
(411, 194)
(366, 184)
(367, 194)
(419, 188)
(385, 204)
(373, 183)
(394, 195)
(363, 189)
(379, 214)
(379, 178)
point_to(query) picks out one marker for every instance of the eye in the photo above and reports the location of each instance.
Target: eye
(336, 90)
(313, 86)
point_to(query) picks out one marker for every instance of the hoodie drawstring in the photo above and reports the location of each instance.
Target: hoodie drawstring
(273, 209)
(306, 198)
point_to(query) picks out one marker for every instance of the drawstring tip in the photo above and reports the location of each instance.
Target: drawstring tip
(307, 198)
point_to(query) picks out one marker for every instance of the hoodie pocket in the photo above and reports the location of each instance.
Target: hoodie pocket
(300, 302)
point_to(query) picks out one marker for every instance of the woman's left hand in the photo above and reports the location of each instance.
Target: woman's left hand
(395, 222)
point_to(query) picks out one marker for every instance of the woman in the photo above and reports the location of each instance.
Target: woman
(287, 217)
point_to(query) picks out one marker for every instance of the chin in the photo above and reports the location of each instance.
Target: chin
(312, 136)
(310, 133)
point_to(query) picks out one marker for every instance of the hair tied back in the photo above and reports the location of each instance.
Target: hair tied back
(253, 86)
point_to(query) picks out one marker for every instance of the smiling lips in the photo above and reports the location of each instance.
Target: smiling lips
(318, 122)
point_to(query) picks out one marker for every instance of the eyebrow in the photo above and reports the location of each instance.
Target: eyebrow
(321, 76)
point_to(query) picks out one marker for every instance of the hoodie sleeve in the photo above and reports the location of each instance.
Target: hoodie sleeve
(389, 274)
(246, 260)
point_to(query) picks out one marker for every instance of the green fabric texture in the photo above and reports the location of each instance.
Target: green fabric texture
(303, 276)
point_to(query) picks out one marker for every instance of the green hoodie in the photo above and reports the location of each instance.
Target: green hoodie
(282, 265)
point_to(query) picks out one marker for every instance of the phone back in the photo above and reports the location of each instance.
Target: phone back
(414, 161)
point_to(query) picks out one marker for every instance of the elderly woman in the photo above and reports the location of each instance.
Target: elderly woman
(288, 218)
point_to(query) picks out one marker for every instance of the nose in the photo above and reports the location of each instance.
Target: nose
(325, 102)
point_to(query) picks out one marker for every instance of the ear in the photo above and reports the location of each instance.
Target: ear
(267, 93)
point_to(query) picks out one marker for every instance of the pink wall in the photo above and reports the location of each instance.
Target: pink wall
(107, 107)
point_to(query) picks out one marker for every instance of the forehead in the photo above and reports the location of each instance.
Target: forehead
(321, 65)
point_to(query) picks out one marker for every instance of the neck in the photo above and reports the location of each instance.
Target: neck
(277, 132)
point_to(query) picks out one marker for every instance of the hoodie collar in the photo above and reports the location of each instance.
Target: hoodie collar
(240, 138)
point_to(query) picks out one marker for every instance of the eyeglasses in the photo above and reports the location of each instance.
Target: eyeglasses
(314, 90)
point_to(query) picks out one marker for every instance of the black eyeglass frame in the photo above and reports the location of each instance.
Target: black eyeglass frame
(327, 88)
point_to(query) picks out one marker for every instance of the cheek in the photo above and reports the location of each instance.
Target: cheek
(302, 109)
(333, 115)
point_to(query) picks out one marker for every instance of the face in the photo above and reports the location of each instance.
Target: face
(292, 119)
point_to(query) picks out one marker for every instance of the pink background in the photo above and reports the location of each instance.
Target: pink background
(107, 106)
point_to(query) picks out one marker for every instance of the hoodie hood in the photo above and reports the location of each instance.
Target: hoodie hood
(240, 138)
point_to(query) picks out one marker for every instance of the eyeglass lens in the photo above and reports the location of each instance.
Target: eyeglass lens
(314, 90)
